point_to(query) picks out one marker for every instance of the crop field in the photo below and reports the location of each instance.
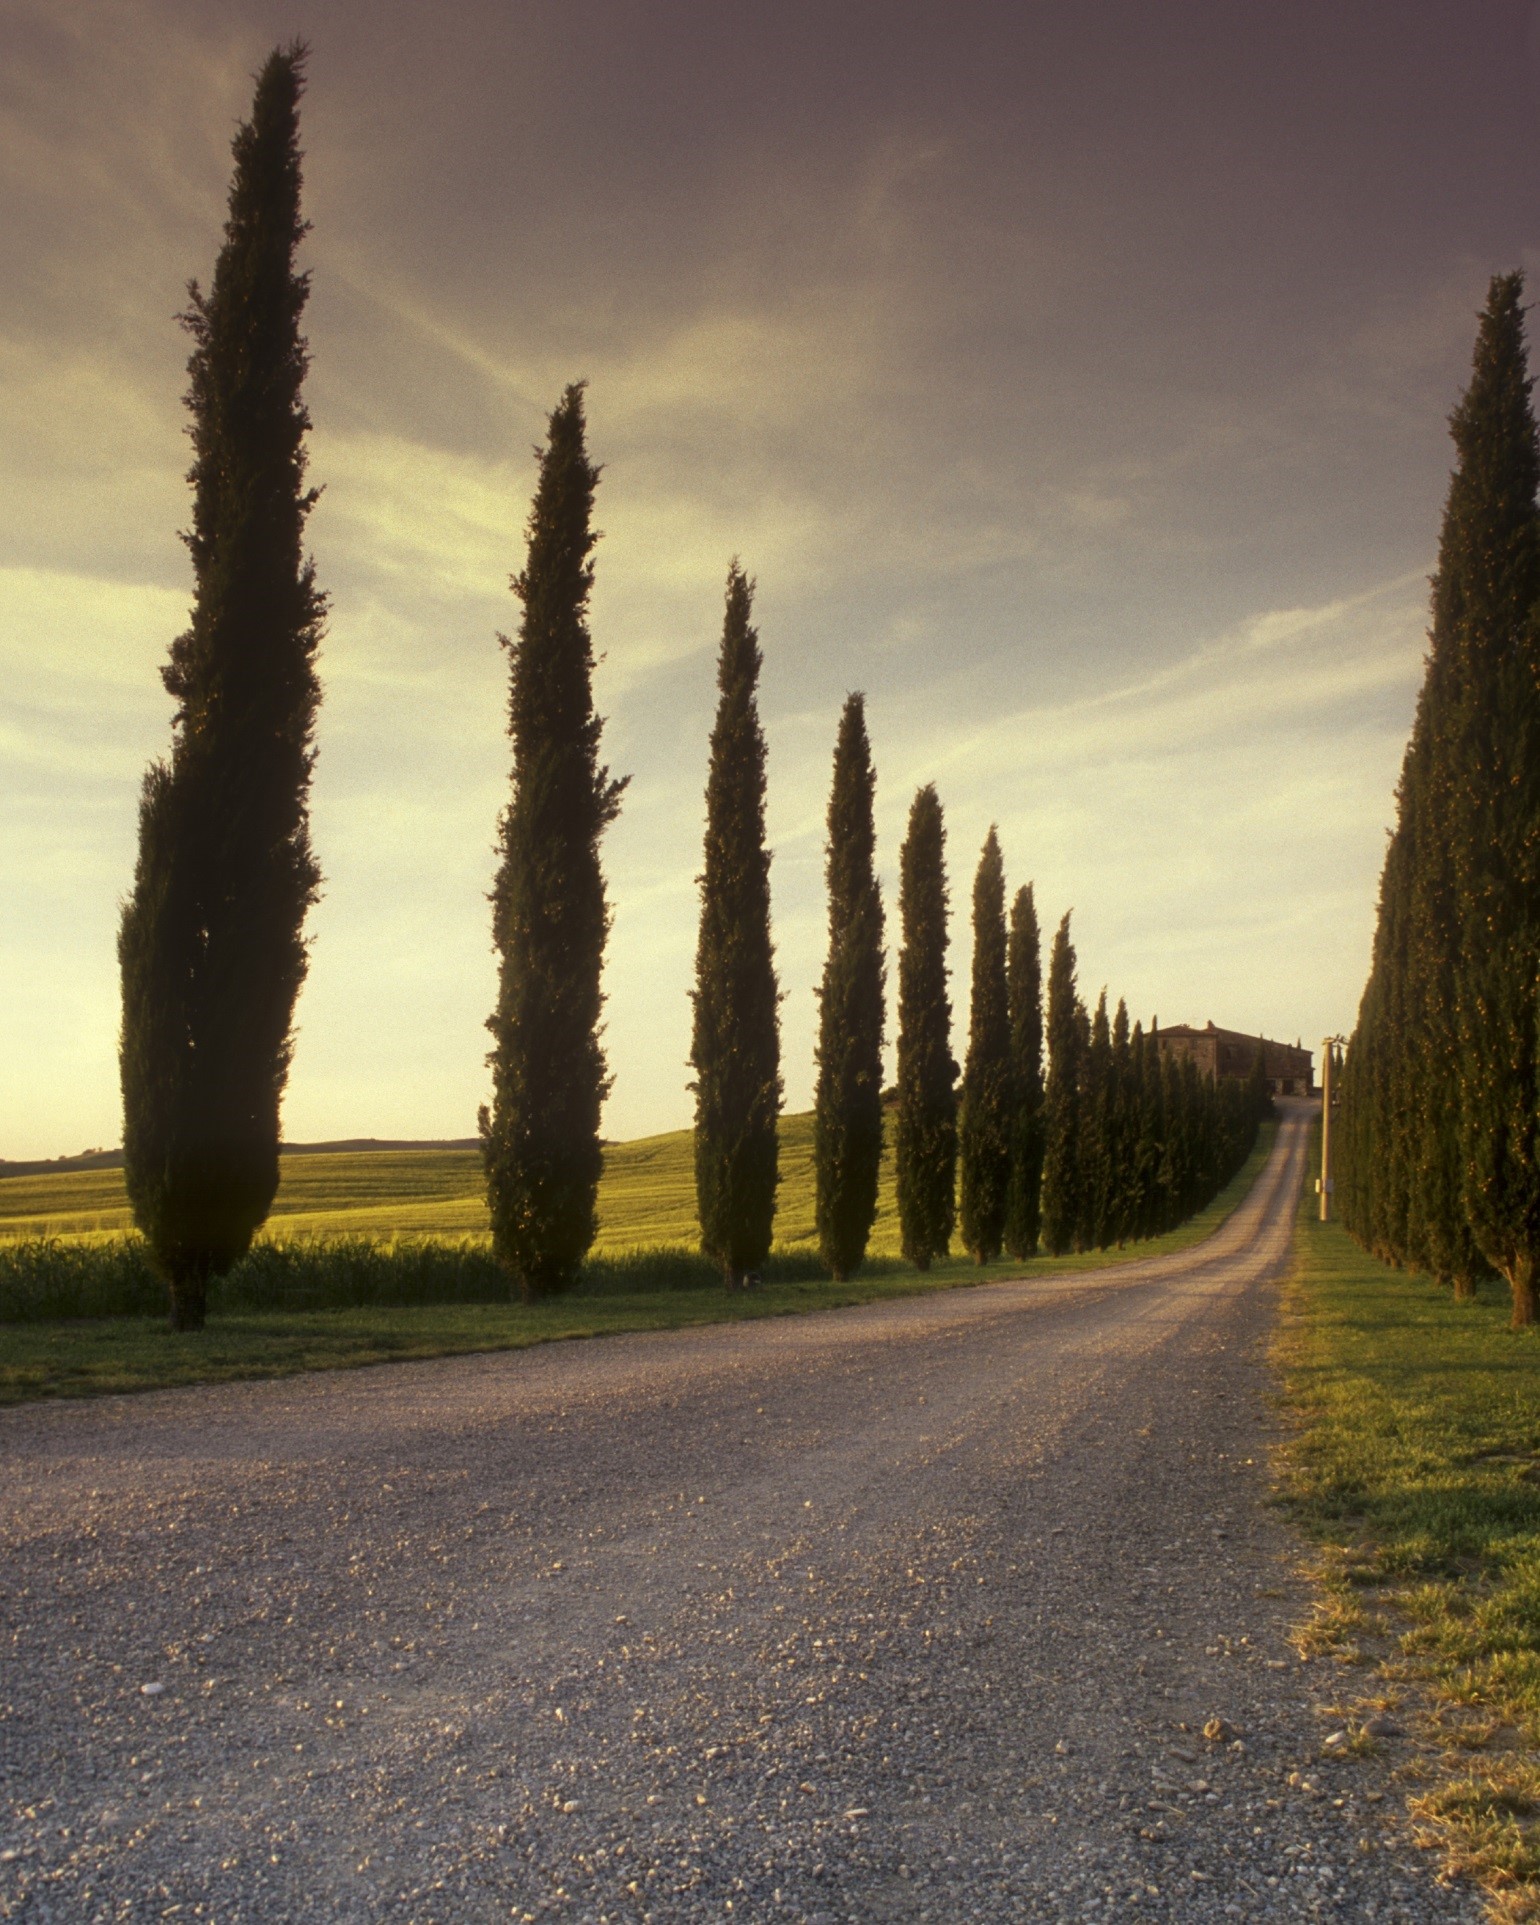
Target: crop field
(646, 1197)
(376, 1254)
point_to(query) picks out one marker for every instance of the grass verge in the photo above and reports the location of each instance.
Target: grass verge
(344, 1306)
(1416, 1471)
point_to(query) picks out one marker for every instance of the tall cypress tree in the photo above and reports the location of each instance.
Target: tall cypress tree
(211, 946)
(1143, 1133)
(1097, 1150)
(1259, 1094)
(735, 1048)
(540, 1138)
(1377, 1147)
(926, 1134)
(1152, 1134)
(1438, 1233)
(1439, 1089)
(988, 1094)
(1173, 1157)
(847, 1104)
(1492, 549)
(1061, 1102)
(1124, 1131)
(1024, 987)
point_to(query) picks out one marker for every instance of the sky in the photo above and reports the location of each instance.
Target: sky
(1073, 379)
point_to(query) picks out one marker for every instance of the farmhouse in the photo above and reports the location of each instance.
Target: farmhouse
(1228, 1052)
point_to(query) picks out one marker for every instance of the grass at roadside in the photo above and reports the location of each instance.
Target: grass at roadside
(136, 1353)
(1416, 1470)
(88, 1356)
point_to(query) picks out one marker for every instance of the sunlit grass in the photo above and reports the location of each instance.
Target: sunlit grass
(646, 1196)
(1417, 1470)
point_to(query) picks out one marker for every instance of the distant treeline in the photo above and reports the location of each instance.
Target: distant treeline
(1108, 1141)
(1437, 1153)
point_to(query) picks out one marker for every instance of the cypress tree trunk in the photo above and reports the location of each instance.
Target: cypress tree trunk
(926, 1132)
(540, 1137)
(847, 1107)
(1024, 988)
(736, 1044)
(1061, 1103)
(988, 1095)
(211, 946)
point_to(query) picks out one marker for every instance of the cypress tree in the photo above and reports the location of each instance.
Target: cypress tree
(540, 1138)
(1190, 1140)
(1438, 1233)
(1084, 1174)
(1024, 989)
(1173, 1160)
(1381, 1147)
(1387, 1165)
(1061, 1102)
(211, 945)
(1492, 555)
(1145, 1157)
(735, 1049)
(1125, 1130)
(1152, 1139)
(988, 1095)
(1259, 1094)
(1206, 1163)
(1439, 1087)
(847, 1107)
(1096, 1147)
(926, 1132)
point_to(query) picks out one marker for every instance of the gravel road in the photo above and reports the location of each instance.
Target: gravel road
(913, 1611)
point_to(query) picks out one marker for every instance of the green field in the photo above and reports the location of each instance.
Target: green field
(1416, 1469)
(646, 1197)
(50, 1356)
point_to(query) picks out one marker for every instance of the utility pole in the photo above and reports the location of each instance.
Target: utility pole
(1324, 1185)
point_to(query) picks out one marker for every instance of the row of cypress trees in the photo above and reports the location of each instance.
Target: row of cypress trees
(735, 1043)
(213, 954)
(1437, 1162)
(1136, 1139)
(1121, 1142)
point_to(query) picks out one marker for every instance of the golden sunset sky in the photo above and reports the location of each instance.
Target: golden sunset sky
(1072, 378)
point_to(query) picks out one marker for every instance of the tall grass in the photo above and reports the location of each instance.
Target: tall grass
(50, 1280)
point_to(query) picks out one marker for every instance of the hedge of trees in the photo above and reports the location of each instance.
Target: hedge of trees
(1436, 1163)
(1107, 1141)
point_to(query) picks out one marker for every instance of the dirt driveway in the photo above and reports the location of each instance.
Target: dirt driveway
(913, 1611)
